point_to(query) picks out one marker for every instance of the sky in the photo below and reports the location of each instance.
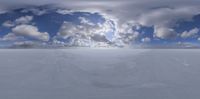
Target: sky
(100, 23)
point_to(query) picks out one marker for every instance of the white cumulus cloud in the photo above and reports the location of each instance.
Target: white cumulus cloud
(83, 20)
(191, 33)
(8, 24)
(24, 19)
(35, 11)
(86, 31)
(11, 37)
(164, 33)
(30, 31)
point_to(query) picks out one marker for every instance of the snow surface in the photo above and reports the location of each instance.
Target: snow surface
(99, 74)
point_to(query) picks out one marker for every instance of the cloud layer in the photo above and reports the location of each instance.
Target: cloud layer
(30, 31)
(124, 21)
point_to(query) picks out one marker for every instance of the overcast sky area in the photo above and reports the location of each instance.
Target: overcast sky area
(100, 23)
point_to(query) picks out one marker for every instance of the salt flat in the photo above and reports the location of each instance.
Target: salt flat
(99, 74)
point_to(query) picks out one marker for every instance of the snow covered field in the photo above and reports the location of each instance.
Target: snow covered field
(99, 74)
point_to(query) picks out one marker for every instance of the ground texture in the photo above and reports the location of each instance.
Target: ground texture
(99, 74)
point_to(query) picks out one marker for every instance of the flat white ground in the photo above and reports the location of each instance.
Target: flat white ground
(99, 74)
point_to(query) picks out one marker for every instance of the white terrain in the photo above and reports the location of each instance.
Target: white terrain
(99, 74)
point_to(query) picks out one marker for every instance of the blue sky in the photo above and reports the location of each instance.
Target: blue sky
(96, 23)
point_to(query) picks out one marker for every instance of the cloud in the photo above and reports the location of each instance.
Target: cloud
(83, 20)
(28, 44)
(198, 39)
(80, 34)
(64, 11)
(129, 38)
(187, 45)
(20, 20)
(146, 40)
(11, 37)
(86, 32)
(89, 32)
(158, 15)
(75, 33)
(163, 16)
(2, 11)
(99, 38)
(167, 16)
(35, 11)
(164, 33)
(164, 19)
(68, 29)
(24, 20)
(8, 24)
(127, 33)
(128, 27)
(191, 33)
(30, 31)
(24, 43)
